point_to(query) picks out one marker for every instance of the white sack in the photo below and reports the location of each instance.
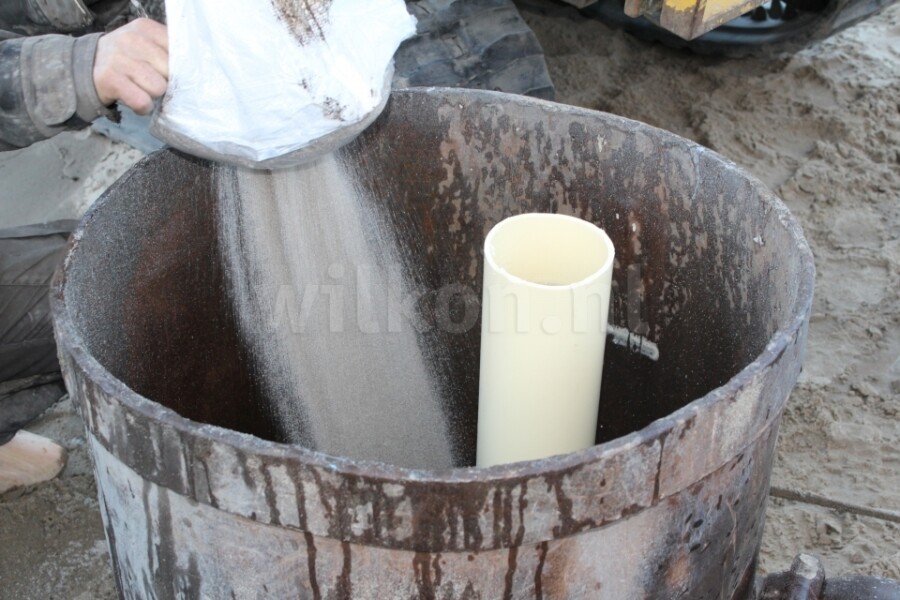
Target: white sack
(261, 78)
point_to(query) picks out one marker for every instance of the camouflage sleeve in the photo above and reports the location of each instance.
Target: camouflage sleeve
(46, 86)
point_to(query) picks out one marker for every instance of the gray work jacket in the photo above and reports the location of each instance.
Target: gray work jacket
(46, 79)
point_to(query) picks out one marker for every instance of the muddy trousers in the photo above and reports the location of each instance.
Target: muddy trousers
(30, 380)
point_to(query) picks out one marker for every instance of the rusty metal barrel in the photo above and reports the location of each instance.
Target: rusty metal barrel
(712, 290)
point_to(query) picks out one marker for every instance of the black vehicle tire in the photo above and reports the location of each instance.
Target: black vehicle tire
(795, 25)
(482, 44)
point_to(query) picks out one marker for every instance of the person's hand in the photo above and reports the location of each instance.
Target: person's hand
(132, 65)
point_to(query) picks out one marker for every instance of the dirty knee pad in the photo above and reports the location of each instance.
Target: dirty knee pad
(28, 258)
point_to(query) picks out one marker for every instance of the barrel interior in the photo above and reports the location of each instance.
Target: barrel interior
(704, 271)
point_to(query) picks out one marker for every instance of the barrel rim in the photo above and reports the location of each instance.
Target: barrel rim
(70, 340)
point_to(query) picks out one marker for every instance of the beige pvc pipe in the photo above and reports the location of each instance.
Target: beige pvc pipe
(545, 303)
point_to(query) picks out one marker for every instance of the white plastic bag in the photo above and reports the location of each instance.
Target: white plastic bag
(254, 80)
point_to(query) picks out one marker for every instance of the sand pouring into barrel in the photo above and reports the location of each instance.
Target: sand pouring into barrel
(202, 496)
